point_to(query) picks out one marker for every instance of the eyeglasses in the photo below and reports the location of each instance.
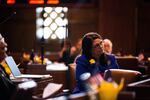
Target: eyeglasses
(98, 45)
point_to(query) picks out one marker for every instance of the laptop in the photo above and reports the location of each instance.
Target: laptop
(16, 72)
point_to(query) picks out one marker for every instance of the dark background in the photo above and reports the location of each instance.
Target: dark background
(125, 22)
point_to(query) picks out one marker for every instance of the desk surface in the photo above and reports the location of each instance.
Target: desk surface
(141, 88)
(41, 83)
(140, 83)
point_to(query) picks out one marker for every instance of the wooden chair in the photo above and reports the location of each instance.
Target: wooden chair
(72, 69)
(131, 63)
(127, 62)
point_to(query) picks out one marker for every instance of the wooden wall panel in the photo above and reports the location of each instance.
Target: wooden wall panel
(19, 30)
(125, 22)
(117, 22)
(143, 38)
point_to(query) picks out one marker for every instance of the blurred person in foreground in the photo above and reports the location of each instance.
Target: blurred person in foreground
(93, 59)
(6, 85)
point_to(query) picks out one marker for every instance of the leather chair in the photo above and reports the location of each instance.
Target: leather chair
(129, 75)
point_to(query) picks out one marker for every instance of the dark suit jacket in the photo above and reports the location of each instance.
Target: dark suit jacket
(7, 87)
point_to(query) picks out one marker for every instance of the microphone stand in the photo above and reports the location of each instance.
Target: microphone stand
(42, 49)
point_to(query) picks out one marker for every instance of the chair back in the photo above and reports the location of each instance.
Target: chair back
(72, 69)
(127, 62)
(129, 75)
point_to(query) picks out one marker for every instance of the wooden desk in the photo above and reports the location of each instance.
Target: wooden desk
(141, 88)
(57, 71)
(41, 84)
(60, 77)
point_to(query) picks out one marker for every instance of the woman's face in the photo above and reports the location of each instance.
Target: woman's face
(97, 48)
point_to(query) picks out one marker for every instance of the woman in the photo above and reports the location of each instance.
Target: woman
(93, 60)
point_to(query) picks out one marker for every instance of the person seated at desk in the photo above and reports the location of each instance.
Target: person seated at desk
(93, 60)
(76, 49)
(107, 46)
(6, 85)
(142, 60)
(65, 53)
(142, 63)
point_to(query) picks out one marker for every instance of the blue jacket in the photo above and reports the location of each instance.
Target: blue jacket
(84, 66)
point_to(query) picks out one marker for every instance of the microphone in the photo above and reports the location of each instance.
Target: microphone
(9, 17)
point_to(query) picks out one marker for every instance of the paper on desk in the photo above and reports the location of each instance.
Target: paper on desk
(50, 89)
(56, 67)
